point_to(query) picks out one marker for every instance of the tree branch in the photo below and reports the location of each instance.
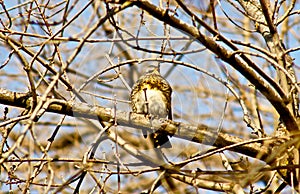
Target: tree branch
(200, 134)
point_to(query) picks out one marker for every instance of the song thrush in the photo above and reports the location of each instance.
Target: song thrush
(151, 95)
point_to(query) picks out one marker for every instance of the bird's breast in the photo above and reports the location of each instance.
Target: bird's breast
(151, 101)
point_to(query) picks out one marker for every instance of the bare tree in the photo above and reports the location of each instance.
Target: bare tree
(67, 69)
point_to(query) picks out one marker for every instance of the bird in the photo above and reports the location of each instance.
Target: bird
(151, 95)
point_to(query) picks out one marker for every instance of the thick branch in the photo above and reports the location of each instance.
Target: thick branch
(201, 134)
(265, 26)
